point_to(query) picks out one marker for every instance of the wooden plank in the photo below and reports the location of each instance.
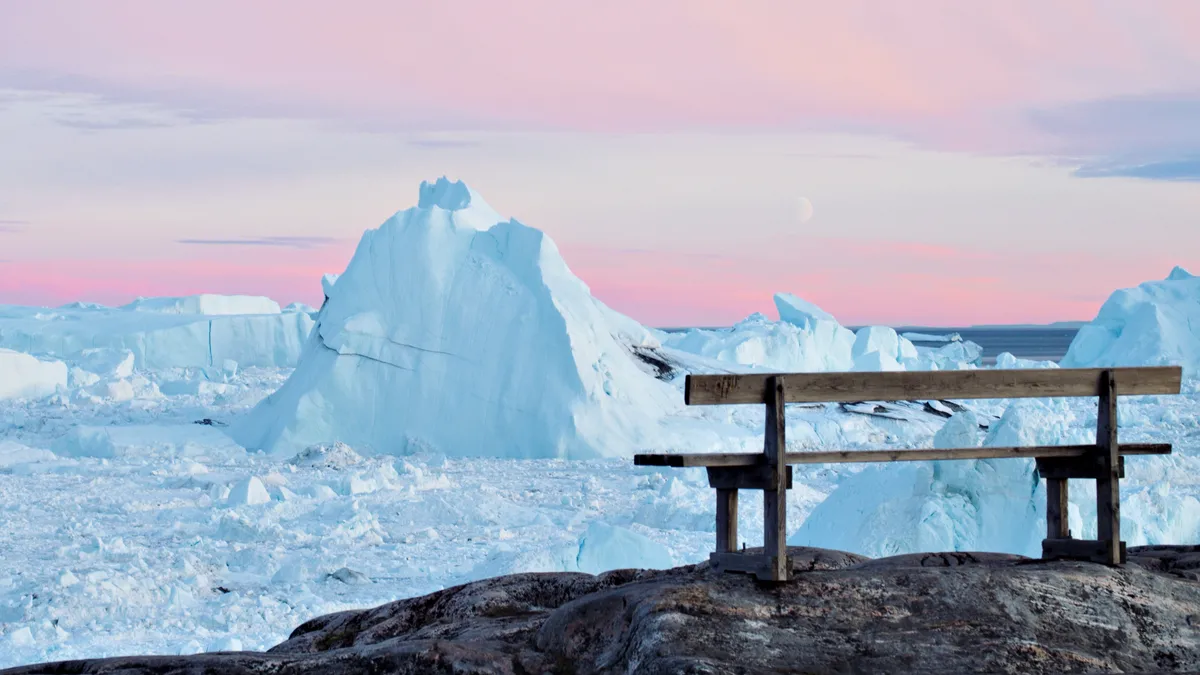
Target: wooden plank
(749, 563)
(699, 459)
(775, 496)
(853, 456)
(928, 385)
(1054, 468)
(927, 455)
(1081, 549)
(1056, 509)
(1108, 484)
(727, 520)
(1126, 449)
(758, 477)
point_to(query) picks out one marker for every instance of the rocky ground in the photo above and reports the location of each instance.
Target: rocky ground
(842, 613)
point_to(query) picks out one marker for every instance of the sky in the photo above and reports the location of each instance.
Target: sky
(966, 162)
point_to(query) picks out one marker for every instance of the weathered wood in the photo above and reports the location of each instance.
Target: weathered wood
(1082, 549)
(1108, 484)
(749, 563)
(1056, 508)
(926, 455)
(727, 520)
(1075, 467)
(758, 477)
(928, 385)
(923, 455)
(1126, 449)
(700, 459)
(769, 471)
(775, 496)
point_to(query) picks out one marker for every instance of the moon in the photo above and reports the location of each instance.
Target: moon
(804, 210)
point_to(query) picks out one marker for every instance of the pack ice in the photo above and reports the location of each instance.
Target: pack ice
(808, 339)
(456, 330)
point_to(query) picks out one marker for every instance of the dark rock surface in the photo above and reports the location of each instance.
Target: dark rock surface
(924, 613)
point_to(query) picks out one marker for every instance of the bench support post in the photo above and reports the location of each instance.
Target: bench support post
(1108, 482)
(1103, 464)
(1057, 523)
(727, 520)
(775, 494)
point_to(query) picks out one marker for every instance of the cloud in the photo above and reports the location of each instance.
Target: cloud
(476, 64)
(1153, 137)
(1159, 119)
(280, 242)
(1184, 170)
(103, 103)
(91, 122)
(9, 226)
(444, 143)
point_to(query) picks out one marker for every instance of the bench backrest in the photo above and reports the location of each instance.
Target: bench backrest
(930, 385)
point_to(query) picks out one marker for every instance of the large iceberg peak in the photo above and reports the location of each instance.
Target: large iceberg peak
(454, 329)
(446, 194)
(464, 206)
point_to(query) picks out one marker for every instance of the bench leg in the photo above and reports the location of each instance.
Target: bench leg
(727, 520)
(1108, 490)
(1056, 509)
(775, 533)
(775, 496)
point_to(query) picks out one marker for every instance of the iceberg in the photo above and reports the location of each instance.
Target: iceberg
(604, 547)
(930, 337)
(24, 377)
(957, 355)
(884, 340)
(207, 304)
(808, 339)
(783, 346)
(1156, 323)
(800, 312)
(876, 361)
(456, 330)
(805, 339)
(162, 333)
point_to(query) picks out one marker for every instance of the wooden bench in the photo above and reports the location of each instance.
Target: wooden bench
(770, 472)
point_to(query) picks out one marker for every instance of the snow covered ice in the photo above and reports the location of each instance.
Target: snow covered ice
(206, 304)
(459, 331)
(465, 408)
(24, 376)
(1157, 323)
(194, 332)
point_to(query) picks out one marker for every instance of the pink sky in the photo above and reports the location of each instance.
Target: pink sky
(936, 139)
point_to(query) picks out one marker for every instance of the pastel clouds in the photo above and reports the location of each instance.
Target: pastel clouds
(938, 68)
(231, 146)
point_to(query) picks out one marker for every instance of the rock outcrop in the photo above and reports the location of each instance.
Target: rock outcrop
(842, 613)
